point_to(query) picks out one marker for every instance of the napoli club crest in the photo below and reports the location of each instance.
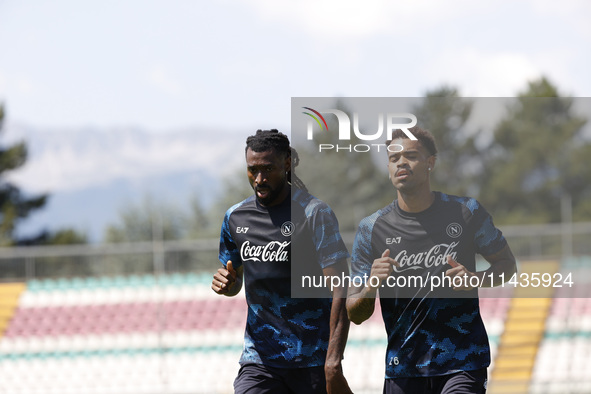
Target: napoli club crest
(287, 228)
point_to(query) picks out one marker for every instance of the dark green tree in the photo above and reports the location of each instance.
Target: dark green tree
(66, 236)
(444, 113)
(151, 219)
(15, 206)
(538, 156)
(201, 223)
(204, 223)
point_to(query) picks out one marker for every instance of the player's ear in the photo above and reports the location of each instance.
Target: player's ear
(431, 161)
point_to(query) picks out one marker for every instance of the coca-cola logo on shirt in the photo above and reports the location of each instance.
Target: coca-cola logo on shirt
(434, 257)
(273, 251)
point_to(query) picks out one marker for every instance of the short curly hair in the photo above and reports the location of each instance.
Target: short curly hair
(424, 136)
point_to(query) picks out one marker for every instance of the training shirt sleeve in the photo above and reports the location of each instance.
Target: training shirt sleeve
(228, 248)
(327, 239)
(361, 257)
(487, 238)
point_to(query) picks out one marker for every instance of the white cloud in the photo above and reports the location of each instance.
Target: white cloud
(266, 67)
(18, 83)
(483, 73)
(163, 80)
(2, 81)
(572, 13)
(345, 20)
(63, 163)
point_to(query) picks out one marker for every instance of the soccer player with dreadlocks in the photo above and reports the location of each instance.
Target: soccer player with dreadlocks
(291, 345)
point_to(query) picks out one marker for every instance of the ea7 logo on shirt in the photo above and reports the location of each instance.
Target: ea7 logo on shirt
(241, 230)
(394, 240)
(454, 230)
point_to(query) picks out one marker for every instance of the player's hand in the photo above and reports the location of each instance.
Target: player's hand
(458, 270)
(224, 279)
(335, 380)
(382, 267)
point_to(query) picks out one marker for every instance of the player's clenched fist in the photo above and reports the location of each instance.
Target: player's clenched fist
(224, 279)
(459, 271)
(382, 267)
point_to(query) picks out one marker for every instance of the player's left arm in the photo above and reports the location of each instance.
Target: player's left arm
(490, 243)
(502, 265)
(339, 331)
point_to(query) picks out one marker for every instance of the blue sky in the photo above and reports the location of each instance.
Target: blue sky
(233, 66)
(161, 65)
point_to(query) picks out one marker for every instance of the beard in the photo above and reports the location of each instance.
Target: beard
(271, 194)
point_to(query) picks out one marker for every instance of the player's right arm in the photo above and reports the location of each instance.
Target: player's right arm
(361, 300)
(227, 281)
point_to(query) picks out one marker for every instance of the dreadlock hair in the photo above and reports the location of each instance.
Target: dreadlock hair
(297, 182)
(265, 140)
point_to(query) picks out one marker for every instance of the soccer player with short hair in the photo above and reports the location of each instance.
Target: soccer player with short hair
(291, 345)
(437, 342)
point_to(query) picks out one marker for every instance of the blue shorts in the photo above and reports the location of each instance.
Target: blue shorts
(260, 379)
(463, 382)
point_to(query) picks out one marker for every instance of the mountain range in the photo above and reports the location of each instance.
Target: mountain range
(91, 174)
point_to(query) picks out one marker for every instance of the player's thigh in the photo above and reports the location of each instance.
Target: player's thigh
(307, 380)
(465, 382)
(407, 386)
(258, 379)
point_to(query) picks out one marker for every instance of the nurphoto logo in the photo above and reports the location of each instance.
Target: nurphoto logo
(391, 120)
